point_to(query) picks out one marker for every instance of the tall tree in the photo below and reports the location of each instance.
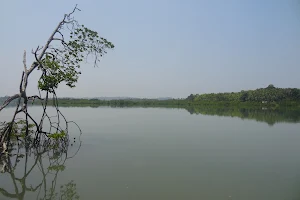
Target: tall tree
(58, 61)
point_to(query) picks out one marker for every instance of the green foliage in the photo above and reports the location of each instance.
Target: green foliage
(244, 96)
(269, 116)
(62, 64)
(58, 136)
(123, 103)
(18, 129)
(271, 86)
(262, 95)
(57, 168)
(68, 191)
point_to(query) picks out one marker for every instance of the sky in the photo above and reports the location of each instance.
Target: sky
(163, 48)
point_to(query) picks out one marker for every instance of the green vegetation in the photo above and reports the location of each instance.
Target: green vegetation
(123, 103)
(270, 105)
(58, 61)
(57, 136)
(263, 97)
(269, 116)
(269, 96)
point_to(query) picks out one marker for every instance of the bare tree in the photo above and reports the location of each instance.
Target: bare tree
(58, 61)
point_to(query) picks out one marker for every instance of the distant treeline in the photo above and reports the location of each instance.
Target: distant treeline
(269, 97)
(123, 103)
(263, 97)
(270, 105)
(266, 95)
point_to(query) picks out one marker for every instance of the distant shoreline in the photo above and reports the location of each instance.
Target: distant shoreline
(267, 113)
(269, 98)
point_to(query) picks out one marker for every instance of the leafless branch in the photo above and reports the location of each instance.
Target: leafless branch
(25, 73)
(10, 99)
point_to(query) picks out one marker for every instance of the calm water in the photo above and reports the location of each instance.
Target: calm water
(157, 153)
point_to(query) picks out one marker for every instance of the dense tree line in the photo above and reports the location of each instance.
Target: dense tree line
(123, 102)
(244, 110)
(262, 95)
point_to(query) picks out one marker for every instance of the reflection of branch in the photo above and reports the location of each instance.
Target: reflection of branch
(7, 194)
(56, 159)
(11, 170)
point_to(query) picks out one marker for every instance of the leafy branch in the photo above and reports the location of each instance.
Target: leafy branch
(59, 61)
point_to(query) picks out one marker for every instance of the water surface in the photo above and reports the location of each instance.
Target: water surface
(160, 153)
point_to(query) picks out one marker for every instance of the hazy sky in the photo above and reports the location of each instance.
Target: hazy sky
(163, 47)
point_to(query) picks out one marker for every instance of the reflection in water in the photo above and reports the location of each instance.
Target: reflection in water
(163, 154)
(45, 163)
(268, 116)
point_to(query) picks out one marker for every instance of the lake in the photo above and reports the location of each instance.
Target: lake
(163, 153)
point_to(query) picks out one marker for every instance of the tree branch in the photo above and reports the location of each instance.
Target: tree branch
(56, 30)
(9, 100)
(25, 73)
